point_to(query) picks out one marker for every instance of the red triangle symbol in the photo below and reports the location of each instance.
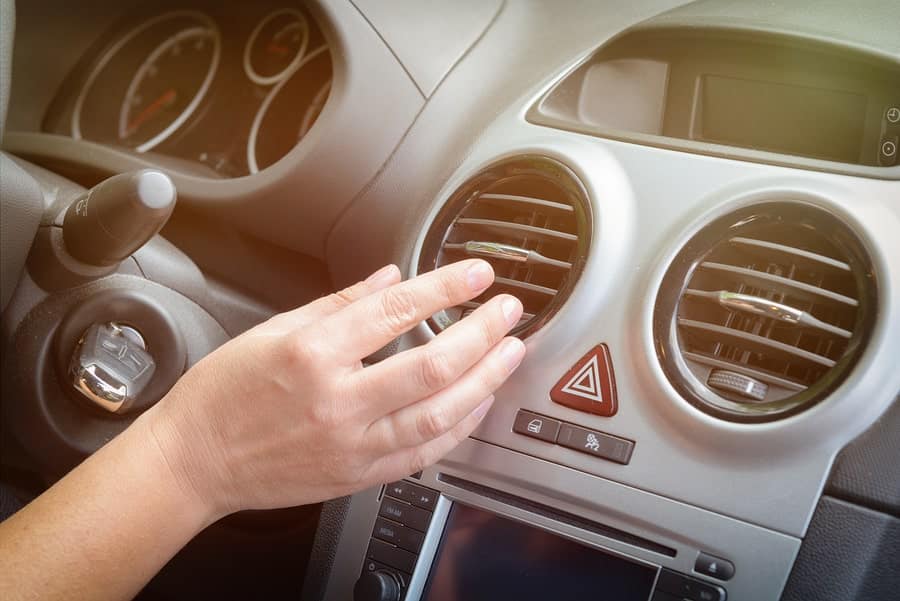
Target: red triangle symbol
(590, 385)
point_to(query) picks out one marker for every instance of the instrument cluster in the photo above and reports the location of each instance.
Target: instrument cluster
(234, 94)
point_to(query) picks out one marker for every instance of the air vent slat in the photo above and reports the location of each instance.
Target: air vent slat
(747, 371)
(784, 314)
(755, 343)
(504, 252)
(530, 218)
(505, 228)
(528, 286)
(472, 305)
(767, 249)
(782, 284)
(529, 203)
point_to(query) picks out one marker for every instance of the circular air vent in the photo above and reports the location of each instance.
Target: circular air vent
(530, 218)
(764, 312)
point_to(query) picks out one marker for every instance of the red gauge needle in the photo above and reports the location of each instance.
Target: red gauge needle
(150, 110)
(277, 49)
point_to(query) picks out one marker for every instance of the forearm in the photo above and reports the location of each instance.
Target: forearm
(105, 529)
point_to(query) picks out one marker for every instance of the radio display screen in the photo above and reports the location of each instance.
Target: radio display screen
(779, 117)
(485, 557)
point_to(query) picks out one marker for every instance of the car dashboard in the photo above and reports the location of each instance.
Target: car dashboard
(697, 204)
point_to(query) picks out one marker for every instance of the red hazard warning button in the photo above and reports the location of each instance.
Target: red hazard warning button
(590, 385)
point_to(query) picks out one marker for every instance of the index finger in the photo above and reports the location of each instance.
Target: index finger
(372, 322)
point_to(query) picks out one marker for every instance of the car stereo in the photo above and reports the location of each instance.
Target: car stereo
(427, 547)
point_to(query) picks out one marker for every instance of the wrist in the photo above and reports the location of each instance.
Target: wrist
(175, 459)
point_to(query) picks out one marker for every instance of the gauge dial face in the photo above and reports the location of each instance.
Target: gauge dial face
(276, 47)
(168, 62)
(290, 110)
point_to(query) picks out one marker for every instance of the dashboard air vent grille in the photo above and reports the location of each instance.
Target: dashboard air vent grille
(764, 311)
(530, 218)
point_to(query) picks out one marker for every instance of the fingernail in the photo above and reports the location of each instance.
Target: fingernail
(382, 276)
(512, 350)
(512, 310)
(484, 407)
(479, 276)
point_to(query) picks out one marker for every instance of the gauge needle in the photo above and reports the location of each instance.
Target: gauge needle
(150, 110)
(277, 49)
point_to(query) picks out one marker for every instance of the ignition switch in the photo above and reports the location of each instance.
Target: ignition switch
(111, 366)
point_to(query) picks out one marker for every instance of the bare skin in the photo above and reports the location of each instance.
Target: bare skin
(283, 415)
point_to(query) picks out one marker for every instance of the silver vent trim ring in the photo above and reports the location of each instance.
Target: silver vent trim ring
(529, 216)
(764, 312)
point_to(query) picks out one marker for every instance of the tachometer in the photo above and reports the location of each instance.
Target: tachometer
(276, 46)
(160, 71)
(290, 109)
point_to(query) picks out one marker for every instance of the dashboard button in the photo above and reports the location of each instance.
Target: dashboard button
(536, 426)
(412, 493)
(391, 556)
(421, 496)
(406, 514)
(598, 444)
(371, 566)
(685, 587)
(887, 155)
(396, 534)
(892, 114)
(714, 567)
(398, 490)
(590, 385)
(378, 585)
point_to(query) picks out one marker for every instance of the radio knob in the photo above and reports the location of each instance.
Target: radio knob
(379, 585)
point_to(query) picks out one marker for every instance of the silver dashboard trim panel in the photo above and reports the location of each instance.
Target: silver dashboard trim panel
(429, 549)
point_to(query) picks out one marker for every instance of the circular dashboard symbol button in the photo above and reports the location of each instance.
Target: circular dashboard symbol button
(892, 114)
(889, 149)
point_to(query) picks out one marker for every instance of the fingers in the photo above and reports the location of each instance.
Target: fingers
(442, 412)
(401, 463)
(365, 326)
(417, 373)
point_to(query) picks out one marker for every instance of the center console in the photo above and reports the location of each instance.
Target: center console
(672, 207)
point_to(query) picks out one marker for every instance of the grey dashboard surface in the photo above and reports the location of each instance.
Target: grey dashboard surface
(428, 38)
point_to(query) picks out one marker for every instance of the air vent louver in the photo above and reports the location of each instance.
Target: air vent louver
(765, 311)
(530, 218)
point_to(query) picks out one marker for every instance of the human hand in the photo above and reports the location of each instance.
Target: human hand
(286, 414)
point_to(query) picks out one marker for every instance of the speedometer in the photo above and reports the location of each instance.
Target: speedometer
(168, 62)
